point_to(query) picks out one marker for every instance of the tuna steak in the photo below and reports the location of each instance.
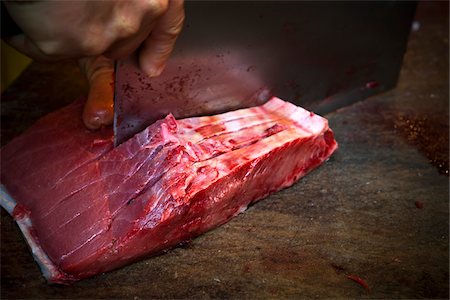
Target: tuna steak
(86, 207)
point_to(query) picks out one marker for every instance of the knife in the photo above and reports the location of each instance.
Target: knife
(231, 55)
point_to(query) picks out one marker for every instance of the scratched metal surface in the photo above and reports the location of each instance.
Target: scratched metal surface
(378, 209)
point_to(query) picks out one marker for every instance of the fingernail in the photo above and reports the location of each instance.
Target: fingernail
(154, 71)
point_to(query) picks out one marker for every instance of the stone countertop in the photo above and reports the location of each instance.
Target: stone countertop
(378, 209)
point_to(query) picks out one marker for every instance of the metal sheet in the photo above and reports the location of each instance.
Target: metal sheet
(320, 55)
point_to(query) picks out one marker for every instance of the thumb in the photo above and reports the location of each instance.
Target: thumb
(157, 48)
(99, 108)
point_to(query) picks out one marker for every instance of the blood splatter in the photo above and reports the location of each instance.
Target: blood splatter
(359, 281)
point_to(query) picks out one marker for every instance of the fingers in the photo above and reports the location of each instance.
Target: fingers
(123, 48)
(74, 29)
(99, 107)
(157, 48)
(129, 29)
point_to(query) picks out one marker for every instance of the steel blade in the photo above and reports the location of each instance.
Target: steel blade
(320, 55)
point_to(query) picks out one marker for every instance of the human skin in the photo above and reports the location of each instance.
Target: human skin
(96, 33)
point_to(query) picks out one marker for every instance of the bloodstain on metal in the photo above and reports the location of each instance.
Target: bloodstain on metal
(359, 281)
(372, 84)
(126, 87)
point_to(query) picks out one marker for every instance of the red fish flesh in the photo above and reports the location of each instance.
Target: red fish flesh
(87, 208)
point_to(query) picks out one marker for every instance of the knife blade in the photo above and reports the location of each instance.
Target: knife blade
(232, 55)
(192, 85)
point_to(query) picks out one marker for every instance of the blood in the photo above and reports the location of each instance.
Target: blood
(127, 88)
(207, 130)
(203, 169)
(20, 212)
(329, 137)
(148, 203)
(273, 130)
(372, 84)
(419, 204)
(359, 281)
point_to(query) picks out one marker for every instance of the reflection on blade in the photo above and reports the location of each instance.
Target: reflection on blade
(199, 85)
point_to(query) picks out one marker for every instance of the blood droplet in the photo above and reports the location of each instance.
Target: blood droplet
(372, 84)
(359, 281)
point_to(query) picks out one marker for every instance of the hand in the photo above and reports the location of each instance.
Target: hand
(96, 32)
(99, 107)
(57, 30)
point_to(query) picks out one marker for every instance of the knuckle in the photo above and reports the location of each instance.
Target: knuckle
(127, 27)
(173, 29)
(157, 7)
(173, 32)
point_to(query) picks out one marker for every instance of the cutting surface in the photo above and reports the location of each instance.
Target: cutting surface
(377, 210)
